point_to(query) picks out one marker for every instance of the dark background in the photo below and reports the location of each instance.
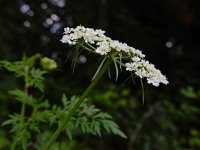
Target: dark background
(167, 31)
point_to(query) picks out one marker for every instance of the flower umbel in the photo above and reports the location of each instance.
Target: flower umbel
(96, 41)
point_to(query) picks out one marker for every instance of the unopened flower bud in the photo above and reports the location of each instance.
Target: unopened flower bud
(48, 64)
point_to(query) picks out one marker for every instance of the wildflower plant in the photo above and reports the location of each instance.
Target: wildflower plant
(75, 112)
(113, 51)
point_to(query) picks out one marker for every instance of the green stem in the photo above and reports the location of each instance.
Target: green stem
(125, 57)
(23, 107)
(77, 104)
(88, 49)
(93, 48)
(14, 143)
(120, 63)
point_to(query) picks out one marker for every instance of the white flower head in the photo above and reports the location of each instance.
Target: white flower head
(144, 69)
(136, 58)
(71, 35)
(103, 48)
(118, 46)
(104, 45)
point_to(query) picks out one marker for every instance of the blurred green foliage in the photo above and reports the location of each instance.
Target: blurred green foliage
(167, 31)
(40, 115)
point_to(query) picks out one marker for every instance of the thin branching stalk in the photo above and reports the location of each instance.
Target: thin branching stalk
(120, 63)
(140, 124)
(77, 104)
(23, 107)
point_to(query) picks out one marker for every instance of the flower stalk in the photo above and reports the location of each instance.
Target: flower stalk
(23, 106)
(77, 104)
(114, 51)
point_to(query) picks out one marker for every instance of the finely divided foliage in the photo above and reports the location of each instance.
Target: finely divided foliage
(97, 42)
(28, 126)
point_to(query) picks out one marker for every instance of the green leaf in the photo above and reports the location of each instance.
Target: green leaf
(99, 68)
(109, 74)
(112, 127)
(36, 78)
(92, 120)
(20, 95)
(76, 52)
(30, 62)
(117, 70)
(7, 122)
(23, 97)
(34, 127)
(87, 118)
(120, 60)
(16, 67)
(64, 100)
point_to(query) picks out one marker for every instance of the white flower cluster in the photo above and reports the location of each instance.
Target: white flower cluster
(143, 68)
(89, 35)
(105, 45)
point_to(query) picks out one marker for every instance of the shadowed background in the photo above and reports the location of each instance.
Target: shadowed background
(166, 31)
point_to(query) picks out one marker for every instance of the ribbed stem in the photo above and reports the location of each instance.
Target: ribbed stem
(77, 104)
